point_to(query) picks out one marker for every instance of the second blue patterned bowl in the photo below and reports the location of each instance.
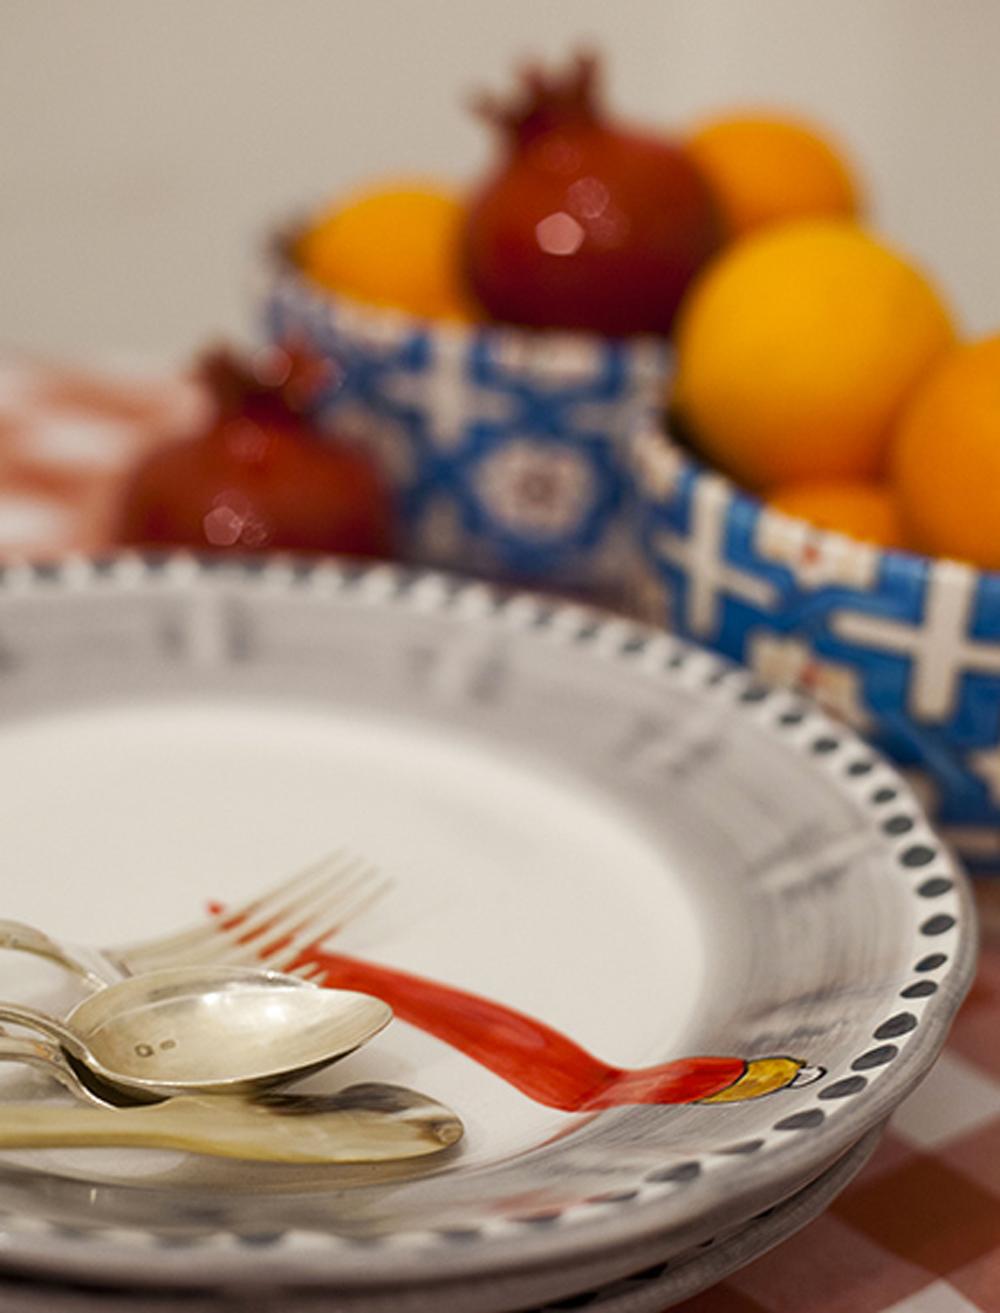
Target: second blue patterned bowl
(506, 448)
(904, 648)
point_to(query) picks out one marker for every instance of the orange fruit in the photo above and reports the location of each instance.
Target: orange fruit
(768, 168)
(796, 349)
(946, 457)
(866, 511)
(396, 245)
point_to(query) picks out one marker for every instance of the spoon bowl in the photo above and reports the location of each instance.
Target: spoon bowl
(209, 1030)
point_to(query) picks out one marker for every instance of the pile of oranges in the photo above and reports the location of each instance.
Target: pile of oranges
(816, 365)
(820, 368)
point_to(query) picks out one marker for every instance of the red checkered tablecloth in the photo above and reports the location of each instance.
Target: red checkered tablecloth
(66, 438)
(917, 1232)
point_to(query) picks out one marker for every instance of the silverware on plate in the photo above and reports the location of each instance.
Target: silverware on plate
(209, 1030)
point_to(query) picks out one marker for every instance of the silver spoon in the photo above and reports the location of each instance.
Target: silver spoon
(367, 1123)
(208, 1030)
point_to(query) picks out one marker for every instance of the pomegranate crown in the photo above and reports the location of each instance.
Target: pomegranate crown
(280, 381)
(545, 99)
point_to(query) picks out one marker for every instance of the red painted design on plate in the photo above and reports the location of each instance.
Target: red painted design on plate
(530, 1055)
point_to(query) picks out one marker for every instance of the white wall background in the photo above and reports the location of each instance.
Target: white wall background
(146, 145)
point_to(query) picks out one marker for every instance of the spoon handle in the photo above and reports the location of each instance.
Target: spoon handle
(92, 969)
(363, 1124)
(44, 1057)
(34, 1019)
(48, 1058)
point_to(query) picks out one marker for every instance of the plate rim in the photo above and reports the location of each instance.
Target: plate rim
(608, 1230)
(679, 1277)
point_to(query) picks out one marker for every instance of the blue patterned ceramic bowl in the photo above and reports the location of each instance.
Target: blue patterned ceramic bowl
(903, 647)
(506, 448)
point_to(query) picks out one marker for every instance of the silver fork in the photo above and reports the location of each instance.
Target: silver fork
(272, 929)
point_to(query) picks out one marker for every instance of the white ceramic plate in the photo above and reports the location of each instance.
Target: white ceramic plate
(652, 1290)
(584, 822)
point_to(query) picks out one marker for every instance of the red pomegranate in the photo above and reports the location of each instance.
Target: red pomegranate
(259, 477)
(585, 224)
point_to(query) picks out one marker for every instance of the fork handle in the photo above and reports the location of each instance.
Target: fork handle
(90, 968)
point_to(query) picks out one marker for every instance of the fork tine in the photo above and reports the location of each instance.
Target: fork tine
(291, 913)
(307, 971)
(251, 941)
(284, 953)
(287, 936)
(171, 945)
(283, 943)
(185, 945)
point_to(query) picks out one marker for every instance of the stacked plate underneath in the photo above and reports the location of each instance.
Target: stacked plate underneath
(690, 942)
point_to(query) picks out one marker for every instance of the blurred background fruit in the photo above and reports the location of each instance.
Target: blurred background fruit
(946, 457)
(865, 511)
(257, 476)
(766, 169)
(393, 245)
(798, 346)
(585, 223)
